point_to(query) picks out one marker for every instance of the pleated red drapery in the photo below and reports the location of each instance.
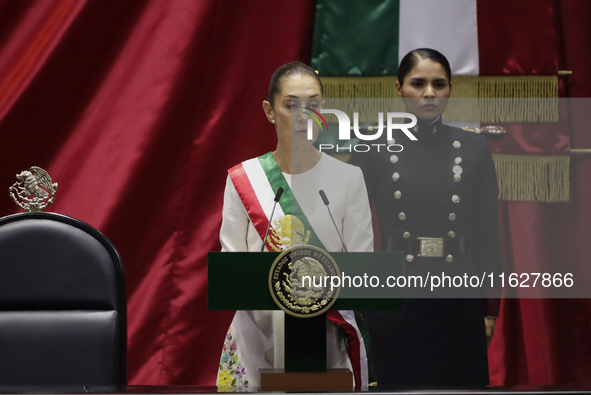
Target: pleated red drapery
(546, 342)
(137, 109)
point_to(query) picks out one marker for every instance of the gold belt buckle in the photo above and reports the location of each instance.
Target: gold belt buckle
(431, 247)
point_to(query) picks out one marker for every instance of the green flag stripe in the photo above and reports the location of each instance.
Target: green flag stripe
(276, 179)
(356, 38)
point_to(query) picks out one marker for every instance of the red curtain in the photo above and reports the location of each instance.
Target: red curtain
(546, 342)
(516, 37)
(136, 109)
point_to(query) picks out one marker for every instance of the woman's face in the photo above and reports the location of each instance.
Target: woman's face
(296, 92)
(425, 90)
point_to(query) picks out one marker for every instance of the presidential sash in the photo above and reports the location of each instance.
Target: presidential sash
(257, 181)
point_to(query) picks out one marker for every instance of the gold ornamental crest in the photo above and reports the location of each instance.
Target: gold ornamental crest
(34, 190)
(300, 281)
(288, 232)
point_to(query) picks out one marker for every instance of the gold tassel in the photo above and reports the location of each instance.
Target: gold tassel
(501, 99)
(531, 178)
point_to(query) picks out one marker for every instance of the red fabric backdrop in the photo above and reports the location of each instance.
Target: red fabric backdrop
(545, 342)
(511, 43)
(138, 108)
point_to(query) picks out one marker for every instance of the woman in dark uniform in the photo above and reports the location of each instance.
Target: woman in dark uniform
(436, 201)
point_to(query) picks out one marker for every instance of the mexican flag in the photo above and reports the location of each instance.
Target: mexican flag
(357, 46)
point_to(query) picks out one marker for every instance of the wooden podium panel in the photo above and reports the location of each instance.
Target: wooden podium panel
(332, 380)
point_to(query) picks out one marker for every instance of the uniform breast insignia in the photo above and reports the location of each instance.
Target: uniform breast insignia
(299, 281)
(33, 190)
(492, 132)
(288, 232)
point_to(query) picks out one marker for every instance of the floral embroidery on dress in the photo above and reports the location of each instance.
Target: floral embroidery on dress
(231, 374)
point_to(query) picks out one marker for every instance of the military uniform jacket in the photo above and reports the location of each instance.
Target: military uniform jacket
(441, 186)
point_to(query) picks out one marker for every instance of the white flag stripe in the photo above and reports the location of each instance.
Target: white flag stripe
(449, 26)
(262, 189)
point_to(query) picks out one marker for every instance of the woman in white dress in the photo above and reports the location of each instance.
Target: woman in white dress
(255, 338)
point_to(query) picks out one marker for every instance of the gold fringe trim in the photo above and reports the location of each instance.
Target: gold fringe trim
(509, 98)
(359, 87)
(531, 178)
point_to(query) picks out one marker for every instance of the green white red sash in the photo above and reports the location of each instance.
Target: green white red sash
(257, 181)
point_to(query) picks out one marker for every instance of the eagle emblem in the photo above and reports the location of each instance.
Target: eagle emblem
(296, 286)
(298, 281)
(288, 232)
(33, 190)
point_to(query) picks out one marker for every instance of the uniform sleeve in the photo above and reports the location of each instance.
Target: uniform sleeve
(234, 221)
(357, 228)
(486, 233)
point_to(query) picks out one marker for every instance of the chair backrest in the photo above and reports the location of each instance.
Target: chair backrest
(63, 312)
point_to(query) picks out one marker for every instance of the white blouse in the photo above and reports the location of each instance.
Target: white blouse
(257, 336)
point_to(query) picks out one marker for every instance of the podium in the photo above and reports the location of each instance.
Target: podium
(305, 338)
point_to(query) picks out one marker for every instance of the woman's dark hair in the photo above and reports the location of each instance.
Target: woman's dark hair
(411, 59)
(285, 71)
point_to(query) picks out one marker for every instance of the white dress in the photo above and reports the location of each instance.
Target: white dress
(255, 338)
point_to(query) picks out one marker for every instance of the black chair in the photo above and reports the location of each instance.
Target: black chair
(63, 320)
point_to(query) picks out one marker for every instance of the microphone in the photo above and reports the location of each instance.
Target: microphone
(326, 203)
(276, 199)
